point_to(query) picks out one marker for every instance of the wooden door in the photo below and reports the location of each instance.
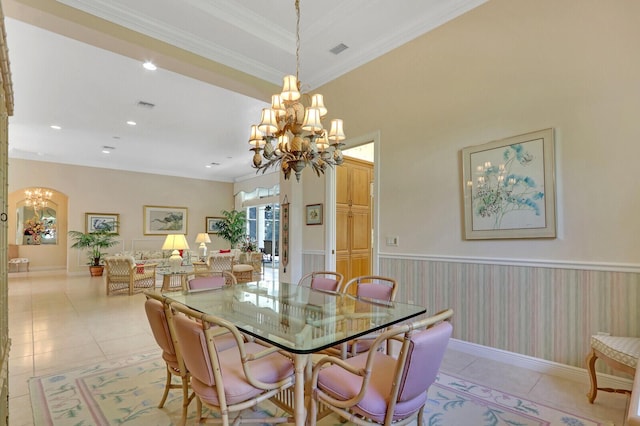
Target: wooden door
(353, 218)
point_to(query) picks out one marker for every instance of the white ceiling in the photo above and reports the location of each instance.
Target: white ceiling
(91, 92)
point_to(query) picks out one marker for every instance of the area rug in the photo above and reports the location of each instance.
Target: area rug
(127, 391)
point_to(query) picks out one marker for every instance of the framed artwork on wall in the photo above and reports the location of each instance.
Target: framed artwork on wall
(211, 224)
(161, 220)
(509, 188)
(314, 214)
(102, 221)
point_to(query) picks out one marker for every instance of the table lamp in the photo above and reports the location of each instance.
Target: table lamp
(203, 239)
(175, 242)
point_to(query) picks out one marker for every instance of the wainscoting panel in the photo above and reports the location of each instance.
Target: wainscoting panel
(543, 312)
(312, 261)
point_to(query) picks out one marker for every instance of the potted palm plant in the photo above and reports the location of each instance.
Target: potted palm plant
(95, 242)
(232, 227)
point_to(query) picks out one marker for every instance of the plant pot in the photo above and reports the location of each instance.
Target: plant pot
(96, 271)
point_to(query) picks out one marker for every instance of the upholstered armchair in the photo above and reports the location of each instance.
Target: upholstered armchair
(376, 388)
(124, 276)
(372, 287)
(237, 378)
(159, 315)
(214, 263)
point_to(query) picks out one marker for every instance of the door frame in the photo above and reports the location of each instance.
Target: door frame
(330, 202)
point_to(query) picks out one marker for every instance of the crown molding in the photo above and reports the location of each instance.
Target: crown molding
(162, 31)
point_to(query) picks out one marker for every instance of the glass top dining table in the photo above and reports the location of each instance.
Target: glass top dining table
(295, 318)
(300, 320)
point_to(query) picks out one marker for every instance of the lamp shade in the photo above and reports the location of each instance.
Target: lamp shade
(290, 88)
(317, 101)
(255, 139)
(175, 242)
(312, 120)
(203, 237)
(336, 133)
(269, 122)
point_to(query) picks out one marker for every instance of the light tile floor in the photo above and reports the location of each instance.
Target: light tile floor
(58, 321)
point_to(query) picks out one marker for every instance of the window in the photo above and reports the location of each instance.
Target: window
(263, 224)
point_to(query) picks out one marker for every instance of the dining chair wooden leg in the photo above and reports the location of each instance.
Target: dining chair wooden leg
(167, 386)
(186, 400)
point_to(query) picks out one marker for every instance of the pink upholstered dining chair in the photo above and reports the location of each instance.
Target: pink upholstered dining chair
(230, 381)
(372, 287)
(215, 280)
(322, 280)
(162, 328)
(375, 388)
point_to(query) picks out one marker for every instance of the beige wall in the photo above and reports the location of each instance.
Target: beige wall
(95, 190)
(506, 68)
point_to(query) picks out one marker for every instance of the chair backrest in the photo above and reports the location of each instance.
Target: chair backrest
(211, 282)
(322, 280)
(193, 342)
(423, 344)
(119, 265)
(373, 287)
(425, 353)
(220, 262)
(160, 318)
(159, 324)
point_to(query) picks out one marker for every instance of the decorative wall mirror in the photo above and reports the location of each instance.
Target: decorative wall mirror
(36, 225)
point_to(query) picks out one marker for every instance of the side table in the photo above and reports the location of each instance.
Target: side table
(175, 280)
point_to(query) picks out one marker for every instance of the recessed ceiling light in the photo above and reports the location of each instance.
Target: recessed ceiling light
(131, 123)
(55, 127)
(107, 149)
(210, 165)
(148, 65)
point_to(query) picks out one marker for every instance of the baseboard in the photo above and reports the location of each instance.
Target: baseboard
(540, 365)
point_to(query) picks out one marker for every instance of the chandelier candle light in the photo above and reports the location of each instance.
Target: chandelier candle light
(37, 198)
(290, 134)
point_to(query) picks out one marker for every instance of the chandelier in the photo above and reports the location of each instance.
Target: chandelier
(291, 135)
(37, 198)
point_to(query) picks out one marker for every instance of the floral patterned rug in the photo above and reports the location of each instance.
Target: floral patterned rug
(127, 391)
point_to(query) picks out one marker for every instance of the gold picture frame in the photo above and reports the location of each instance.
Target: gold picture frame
(94, 222)
(509, 188)
(211, 224)
(162, 220)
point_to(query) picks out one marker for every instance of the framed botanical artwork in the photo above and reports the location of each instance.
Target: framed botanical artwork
(161, 220)
(509, 188)
(314, 214)
(211, 224)
(102, 222)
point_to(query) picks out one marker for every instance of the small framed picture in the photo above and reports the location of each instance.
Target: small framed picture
(314, 214)
(212, 224)
(101, 222)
